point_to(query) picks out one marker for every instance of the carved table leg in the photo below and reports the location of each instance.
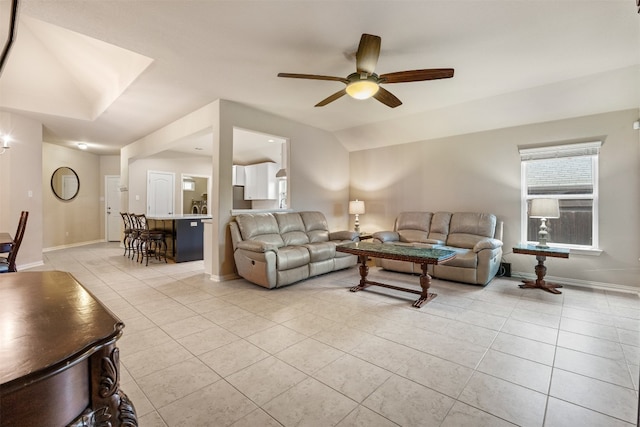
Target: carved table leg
(364, 270)
(425, 284)
(109, 406)
(540, 283)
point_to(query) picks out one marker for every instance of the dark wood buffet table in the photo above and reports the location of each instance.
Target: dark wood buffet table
(59, 364)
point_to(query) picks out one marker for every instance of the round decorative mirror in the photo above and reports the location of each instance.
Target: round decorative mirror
(65, 183)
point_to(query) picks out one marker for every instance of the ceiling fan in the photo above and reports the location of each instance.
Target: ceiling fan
(364, 83)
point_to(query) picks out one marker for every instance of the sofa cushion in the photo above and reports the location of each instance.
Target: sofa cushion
(261, 227)
(468, 228)
(439, 229)
(413, 226)
(292, 257)
(316, 226)
(465, 258)
(291, 228)
(321, 251)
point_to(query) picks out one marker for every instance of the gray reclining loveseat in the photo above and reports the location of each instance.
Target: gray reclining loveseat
(475, 237)
(277, 249)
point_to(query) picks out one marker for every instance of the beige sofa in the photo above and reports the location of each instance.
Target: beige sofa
(475, 237)
(277, 249)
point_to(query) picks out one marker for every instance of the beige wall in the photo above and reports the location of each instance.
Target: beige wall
(175, 164)
(319, 172)
(481, 172)
(78, 220)
(21, 185)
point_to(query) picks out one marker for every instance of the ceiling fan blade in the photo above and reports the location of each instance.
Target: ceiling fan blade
(387, 98)
(368, 52)
(417, 75)
(331, 98)
(313, 77)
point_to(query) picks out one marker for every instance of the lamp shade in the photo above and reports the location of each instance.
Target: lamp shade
(356, 207)
(544, 208)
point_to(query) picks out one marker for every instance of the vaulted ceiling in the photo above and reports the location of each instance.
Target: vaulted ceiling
(110, 72)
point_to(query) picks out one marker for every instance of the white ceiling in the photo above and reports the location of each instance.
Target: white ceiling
(515, 62)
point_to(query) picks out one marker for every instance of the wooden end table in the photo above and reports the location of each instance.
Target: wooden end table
(422, 256)
(541, 254)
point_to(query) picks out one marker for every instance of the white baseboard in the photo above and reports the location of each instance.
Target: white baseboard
(580, 283)
(22, 267)
(216, 278)
(72, 245)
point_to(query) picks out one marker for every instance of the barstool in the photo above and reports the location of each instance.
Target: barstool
(151, 243)
(129, 233)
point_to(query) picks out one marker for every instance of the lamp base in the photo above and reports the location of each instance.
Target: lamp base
(543, 234)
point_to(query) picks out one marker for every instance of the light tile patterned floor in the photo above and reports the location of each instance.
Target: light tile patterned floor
(200, 353)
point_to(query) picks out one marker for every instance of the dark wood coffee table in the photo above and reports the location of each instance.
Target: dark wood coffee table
(422, 256)
(541, 254)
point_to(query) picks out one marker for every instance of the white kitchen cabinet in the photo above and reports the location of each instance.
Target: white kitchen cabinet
(260, 181)
(238, 175)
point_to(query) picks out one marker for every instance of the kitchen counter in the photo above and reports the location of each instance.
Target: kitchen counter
(186, 231)
(180, 216)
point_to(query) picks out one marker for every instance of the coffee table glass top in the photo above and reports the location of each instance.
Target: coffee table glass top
(400, 251)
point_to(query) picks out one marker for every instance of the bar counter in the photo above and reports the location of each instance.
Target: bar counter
(185, 242)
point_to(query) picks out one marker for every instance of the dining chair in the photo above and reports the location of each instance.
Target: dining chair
(8, 265)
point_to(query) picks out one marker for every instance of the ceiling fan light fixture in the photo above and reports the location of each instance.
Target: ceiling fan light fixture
(362, 89)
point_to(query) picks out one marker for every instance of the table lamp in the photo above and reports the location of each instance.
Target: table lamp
(356, 207)
(544, 209)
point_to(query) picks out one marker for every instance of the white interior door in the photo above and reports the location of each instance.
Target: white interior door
(160, 193)
(113, 220)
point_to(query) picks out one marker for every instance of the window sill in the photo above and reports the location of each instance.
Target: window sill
(586, 251)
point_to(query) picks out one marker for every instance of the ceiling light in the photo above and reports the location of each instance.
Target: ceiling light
(82, 146)
(362, 86)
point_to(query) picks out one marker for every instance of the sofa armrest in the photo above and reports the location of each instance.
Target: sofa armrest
(343, 235)
(257, 246)
(386, 236)
(487, 244)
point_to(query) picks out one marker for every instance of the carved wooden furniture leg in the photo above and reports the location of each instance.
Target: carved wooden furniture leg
(109, 406)
(540, 283)
(425, 284)
(364, 270)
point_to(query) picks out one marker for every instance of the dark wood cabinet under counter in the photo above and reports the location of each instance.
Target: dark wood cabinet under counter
(59, 364)
(184, 235)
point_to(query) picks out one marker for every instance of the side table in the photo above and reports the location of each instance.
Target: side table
(541, 254)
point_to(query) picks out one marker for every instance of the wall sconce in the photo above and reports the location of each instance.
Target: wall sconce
(5, 143)
(544, 209)
(356, 207)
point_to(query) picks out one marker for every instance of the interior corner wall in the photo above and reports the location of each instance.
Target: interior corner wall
(318, 174)
(21, 184)
(78, 220)
(481, 172)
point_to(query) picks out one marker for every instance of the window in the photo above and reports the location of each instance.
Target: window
(568, 173)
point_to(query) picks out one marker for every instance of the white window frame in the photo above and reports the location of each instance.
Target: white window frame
(591, 149)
